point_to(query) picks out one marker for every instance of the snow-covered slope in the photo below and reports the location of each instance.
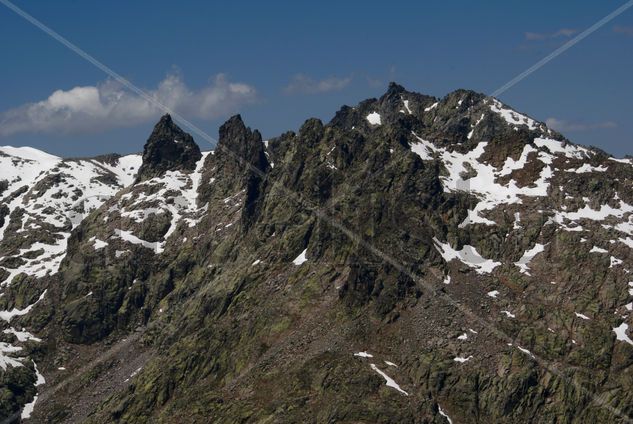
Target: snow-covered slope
(172, 197)
(42, 199)
(45, 198)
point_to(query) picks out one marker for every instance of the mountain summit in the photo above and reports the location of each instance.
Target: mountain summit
(168, 148)
(413, 260)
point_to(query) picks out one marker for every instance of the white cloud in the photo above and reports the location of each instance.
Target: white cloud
(562, 125)
(303, 84)
(108, 105)
(539, 36)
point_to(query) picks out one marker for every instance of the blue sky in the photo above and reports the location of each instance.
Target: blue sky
(279, 63)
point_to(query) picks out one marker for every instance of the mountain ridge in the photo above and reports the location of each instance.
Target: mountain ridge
(393, 89)
(440, 237)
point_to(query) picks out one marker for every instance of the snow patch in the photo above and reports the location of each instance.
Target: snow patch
(99, 244)
(22, 336)
(374, 118)
(389, 381)
(301, 258)
(527, 257)
(6, 360)
(484, 184)
(8, 315)
(588, 168)
(468, 255)
(511, 116)
(423, 149)
(615, 262)
(527, 352)
(620, 333)
(559, 147)
(406, 106)
(442, 413)
(131, 238)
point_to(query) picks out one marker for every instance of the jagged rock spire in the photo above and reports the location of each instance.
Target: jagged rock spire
(168, 148)
(244, 144)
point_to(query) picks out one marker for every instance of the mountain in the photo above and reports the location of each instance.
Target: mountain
(414, 260)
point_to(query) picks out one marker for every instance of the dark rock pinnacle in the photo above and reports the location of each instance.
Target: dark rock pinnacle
(168, 148)
(242, 143)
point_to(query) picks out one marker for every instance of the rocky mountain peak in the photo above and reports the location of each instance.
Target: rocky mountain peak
(168, 148)
(395, 88)
(239, 141)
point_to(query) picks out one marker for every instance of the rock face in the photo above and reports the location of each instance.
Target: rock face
(238, 164)
(414, 260)
(245, 146)
(168, 148)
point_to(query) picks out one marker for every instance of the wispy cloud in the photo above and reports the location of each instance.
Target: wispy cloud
(563, 125)
(108, 105)
(625, 30)
(541, 36)
(375, 82)
(303, 84)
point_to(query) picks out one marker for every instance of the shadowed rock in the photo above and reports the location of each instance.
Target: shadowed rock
(168, 148)
(242, 144)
